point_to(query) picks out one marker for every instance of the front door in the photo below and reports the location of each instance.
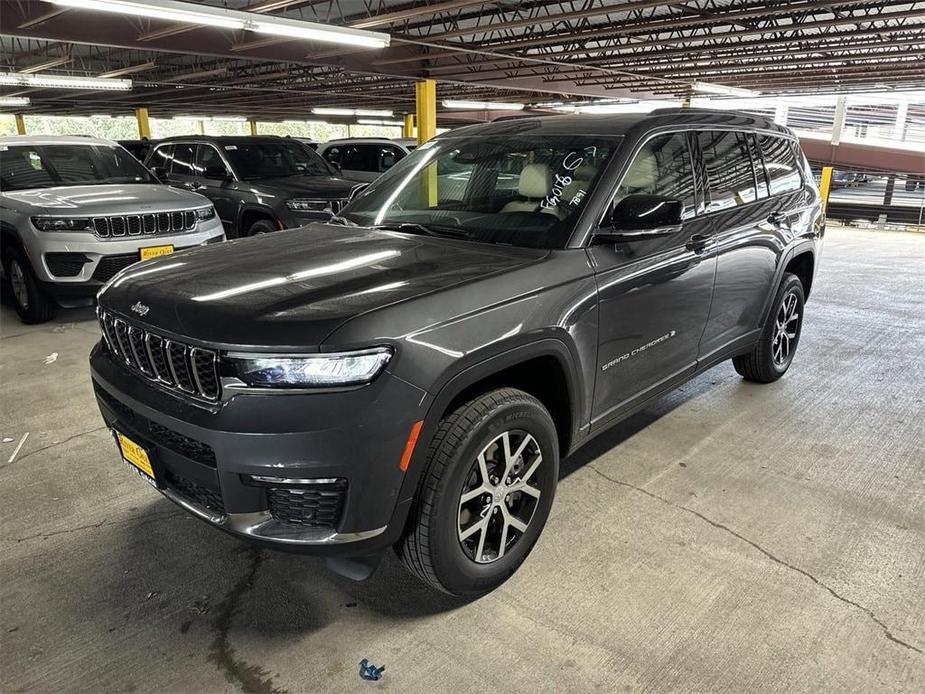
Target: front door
(654, 295)
(218, 184)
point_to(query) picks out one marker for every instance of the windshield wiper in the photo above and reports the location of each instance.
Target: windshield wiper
(424, 229)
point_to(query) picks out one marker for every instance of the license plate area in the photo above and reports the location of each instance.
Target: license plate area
(155, 251)
(135, 456)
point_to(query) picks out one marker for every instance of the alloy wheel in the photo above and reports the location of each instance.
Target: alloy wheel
(786, 329)
(499, 496)
(18, 282)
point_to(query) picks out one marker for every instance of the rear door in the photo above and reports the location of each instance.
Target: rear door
(654, 295)
(748, 238)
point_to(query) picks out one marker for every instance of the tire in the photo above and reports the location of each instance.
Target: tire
(32, 303)
(261, 226)
(774, 352)
(432, 547)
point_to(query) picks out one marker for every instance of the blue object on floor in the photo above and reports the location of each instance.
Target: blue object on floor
(370, 672)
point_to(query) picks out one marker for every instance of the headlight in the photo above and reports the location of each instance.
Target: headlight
(62, 223)
(204, 213)
(306, 205)
(317, 370)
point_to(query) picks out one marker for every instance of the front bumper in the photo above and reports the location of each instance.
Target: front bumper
(42, 244)
(233, 464)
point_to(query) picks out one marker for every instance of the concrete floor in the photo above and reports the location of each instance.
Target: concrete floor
(732, 538)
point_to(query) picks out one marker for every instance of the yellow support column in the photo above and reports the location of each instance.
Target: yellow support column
(407, 128)
(144, 127)
(825, 183)
(20, 124)
(253, 126)
(425, 93)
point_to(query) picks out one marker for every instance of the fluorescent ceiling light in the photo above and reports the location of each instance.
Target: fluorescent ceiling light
(172, 11)
(482, 105)
(374, 121)
(644, 106)
(235, 119)
(205, 15)
(14, 100)
(709, 88)
(324, 111)
(43, 81)
(293, 28)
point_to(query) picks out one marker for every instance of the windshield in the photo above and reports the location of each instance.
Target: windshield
(276, 159)
(522, 190)
(47, 166)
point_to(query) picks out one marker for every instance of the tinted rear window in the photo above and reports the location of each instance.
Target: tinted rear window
(729, 169)
(780, 161)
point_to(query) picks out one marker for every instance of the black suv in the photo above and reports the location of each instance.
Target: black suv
(410, 374)
(257, 184)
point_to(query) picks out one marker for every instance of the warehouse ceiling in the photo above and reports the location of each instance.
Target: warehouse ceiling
(528, 52)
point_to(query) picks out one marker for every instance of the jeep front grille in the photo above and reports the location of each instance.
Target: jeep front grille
(177, 366)
(145, 224)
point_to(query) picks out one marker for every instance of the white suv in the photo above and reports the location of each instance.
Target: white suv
(74, 211)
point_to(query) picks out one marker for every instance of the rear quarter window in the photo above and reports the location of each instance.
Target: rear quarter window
(781, 164)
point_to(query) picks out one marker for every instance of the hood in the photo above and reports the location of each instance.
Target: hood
(102, 200)
(291, 289)
(325, 187)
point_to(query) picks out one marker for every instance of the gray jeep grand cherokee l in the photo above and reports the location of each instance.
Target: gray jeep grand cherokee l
(74, 211)
(409, 374)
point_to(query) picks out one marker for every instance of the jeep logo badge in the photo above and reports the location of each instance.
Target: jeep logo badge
(140, 309)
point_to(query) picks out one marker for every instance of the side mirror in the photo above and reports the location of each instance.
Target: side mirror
(217, 172)
(641, 217)
(160, 173)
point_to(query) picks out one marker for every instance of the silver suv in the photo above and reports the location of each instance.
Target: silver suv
(74, 211)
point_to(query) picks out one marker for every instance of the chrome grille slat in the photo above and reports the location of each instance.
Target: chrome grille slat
(117, 226)
(136, 339)
(179, 221)
(177, 366)
(121, 330)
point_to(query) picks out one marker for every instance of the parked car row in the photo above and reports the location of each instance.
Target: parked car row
(77, 210)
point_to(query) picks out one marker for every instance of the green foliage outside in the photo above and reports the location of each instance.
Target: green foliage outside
(126, 127)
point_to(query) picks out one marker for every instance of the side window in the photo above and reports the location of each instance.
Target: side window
(781, 164)
(389, 156)
(662, 167)
(757, 163)
(729, 169)
(333, 154)
(361, 158)
(209, 162)
(183, 158)
(161, 158)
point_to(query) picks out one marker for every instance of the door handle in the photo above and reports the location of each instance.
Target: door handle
(777, 218)
(697, 242)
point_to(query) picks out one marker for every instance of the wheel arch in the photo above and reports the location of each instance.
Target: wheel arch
(546, 369)
(250, 214)
(802, 264)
